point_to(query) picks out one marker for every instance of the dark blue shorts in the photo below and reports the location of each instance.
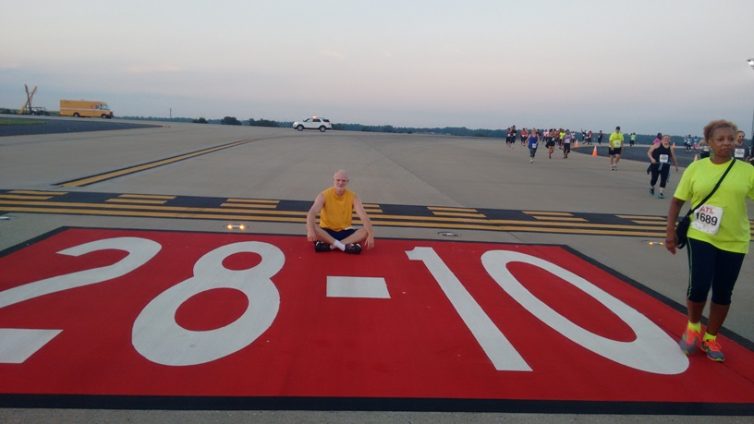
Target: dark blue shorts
(340, 235)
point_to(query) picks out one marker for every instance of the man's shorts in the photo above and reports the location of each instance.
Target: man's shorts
(614, 151)
(340, 235)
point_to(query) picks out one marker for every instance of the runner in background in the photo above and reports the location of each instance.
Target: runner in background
(532, 143)
(567, 138)
(632, 139)
(688, 141)
(599, 137)
(549, 143)
(615, 146)
(742, 150)
(660, 156)
(657, 139)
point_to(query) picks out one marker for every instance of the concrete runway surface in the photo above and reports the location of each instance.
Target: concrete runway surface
(457, 177)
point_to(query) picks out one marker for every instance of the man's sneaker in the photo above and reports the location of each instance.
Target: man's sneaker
(353, 248)
(320, 246)
(652, 191)
(660, 195)
(713, 350)
(690, 340)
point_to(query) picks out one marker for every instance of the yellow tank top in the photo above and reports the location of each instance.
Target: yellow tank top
(338, 210)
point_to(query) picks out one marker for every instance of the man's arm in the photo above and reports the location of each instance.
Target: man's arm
(311, 217)
(359, 208)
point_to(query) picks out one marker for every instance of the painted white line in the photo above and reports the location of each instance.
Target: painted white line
(17, 345)
(357, 287)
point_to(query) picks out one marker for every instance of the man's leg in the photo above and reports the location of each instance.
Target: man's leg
(357, 237)
(325, 237)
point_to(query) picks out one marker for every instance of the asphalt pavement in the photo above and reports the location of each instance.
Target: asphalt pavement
(443, 174)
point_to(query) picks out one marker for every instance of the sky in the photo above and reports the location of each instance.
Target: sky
(649, 66)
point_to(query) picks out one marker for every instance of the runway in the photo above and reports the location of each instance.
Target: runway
(428, 321)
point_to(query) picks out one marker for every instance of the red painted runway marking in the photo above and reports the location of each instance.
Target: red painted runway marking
(151, 313)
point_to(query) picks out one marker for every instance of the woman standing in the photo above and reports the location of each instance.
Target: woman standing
(660, 156)
(718, 237)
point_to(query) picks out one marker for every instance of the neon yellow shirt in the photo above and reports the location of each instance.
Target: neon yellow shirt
(616, 140)
(697, 182)
(337, 212)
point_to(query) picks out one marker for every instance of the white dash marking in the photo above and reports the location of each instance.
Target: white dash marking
(357, 287)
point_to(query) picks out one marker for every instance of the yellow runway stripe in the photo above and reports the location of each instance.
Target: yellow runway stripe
(149, 165)
(137, 201)
(73, 211)
(548, 213)
(23, 197)
(400, 220)
(521, 228)
(183, 209)
(459, 214)
(449, 209)
(239, 200)
(559, 218)
(248, 205)
(642, 217)
(146, 196)
(39, 192)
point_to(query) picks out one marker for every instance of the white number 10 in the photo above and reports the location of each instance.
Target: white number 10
(652, 350)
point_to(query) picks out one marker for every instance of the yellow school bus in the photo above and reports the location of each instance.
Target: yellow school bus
(85, 108)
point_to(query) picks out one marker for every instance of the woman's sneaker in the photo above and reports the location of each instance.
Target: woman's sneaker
(713, 350)
(690, 340)
(353, 248)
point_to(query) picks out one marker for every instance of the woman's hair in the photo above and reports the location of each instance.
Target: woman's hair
(716, 125)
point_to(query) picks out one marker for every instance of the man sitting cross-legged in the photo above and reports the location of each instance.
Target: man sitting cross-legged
(335, 206)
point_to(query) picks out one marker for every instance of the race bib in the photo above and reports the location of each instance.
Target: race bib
(707, 219)
(664, 159)
(739, 153)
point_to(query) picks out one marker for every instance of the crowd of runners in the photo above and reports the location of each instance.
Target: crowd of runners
(563, 139)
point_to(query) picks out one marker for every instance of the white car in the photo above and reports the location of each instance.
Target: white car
(313, 123)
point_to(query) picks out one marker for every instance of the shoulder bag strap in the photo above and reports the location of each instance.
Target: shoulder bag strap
(733, 161)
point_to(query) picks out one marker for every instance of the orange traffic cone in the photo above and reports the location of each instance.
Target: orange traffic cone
(594, 152)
